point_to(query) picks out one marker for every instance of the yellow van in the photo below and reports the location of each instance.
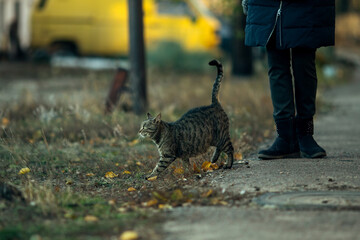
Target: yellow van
(101, 27)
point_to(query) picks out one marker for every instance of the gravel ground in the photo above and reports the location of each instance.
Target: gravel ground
(339, 133)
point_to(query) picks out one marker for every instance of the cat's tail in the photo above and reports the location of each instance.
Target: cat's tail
(216, 87)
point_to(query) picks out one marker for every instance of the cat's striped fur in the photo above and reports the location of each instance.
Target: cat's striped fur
(193, 133)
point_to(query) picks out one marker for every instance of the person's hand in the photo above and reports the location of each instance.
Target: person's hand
(244, 4)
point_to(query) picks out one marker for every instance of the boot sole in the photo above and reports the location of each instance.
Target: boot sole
(315, 155)
(269, 157)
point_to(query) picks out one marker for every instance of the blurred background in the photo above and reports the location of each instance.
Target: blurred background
(65, 65)
(70, 60)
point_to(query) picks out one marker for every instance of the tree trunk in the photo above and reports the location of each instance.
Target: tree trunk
(241, 55)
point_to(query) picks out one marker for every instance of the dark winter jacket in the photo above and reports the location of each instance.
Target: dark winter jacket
(296, 23)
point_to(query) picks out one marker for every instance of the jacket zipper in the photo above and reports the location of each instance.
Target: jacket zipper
(278, 14)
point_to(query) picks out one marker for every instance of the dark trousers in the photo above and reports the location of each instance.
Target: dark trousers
(288, 98)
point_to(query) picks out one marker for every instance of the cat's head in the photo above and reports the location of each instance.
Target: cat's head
(150, 125)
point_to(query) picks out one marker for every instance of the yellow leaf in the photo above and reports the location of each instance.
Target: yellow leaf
(150, 203)
(238, 156)
(177, 195)
(111, 175)
(112, 202)
(164, 206)
(129, 235)
(134, 142)
(70, 215)
(208, 193)
(4, 122)
(139, 163)
(152, 178)
(24, 170)
(90, 218)
(159, 196)
(206, 166)
(131, 189)
(126, 172)
(69, 182)
(196, 169)
(179, 171)
(267, 133)
(117, 164)
(90, 175)
(214, 166)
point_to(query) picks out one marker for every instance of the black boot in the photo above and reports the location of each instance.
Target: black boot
(308, 146)
(286, 144)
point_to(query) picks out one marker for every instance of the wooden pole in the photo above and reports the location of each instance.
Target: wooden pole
(137, 56)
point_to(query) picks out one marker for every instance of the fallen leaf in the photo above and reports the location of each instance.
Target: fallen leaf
(131, 189)
(196, 169)
(179, 171)
(214, 166)
(111, 175)
(134, 142)
(90, 175)
(205, 166)
(216, 201)
(164, 206)
(238, 156)
(70, 215)
(150, 203)
(24, 170)
(129, 235)
(69, 182)
(126, 172)
(159, 196)
(152, 178)
(208, 166)
(266, 133)
(90, 218)
(4, 122)
(207, 194)
(112, 202)
(177, 195)
(139, 163)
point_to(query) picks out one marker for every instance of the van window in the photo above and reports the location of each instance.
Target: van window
(177, 8)
(42, 4)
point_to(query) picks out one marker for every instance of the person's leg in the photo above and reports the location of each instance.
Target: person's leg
(281, 85)
(304, 70)
(282, 97)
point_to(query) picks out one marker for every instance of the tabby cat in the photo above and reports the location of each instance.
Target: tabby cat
(193, 133)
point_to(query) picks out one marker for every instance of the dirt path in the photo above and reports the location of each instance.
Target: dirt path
(339, 133)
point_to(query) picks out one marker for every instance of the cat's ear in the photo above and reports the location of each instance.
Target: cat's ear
(158, 118)
(149, 116)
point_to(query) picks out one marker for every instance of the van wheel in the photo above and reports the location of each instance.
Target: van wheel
(64, 49)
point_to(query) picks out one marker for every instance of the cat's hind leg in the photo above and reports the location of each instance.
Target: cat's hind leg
(215, 155)
(229, 150)
(163, 163)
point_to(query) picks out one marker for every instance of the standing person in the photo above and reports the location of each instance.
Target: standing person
(291, 31)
